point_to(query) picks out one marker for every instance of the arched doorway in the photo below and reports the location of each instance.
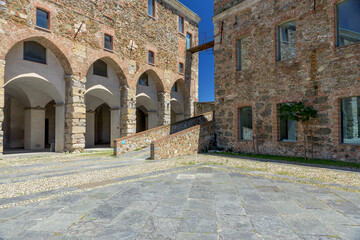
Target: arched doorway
(34, 99)
(147, 101)
(102, 99)
(179, 101)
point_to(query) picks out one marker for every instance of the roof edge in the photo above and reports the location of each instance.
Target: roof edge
(235, 8)
(184, 9)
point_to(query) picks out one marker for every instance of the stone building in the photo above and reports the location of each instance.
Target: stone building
(82, 73)
(269, 53)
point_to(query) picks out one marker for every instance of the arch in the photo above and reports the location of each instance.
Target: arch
(61, 51)
(104, 95)
(112, 62)
(154, 76)
(184, 88)
(145, 100)
(31, 85)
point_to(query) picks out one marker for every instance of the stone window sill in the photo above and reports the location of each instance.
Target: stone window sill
(43, 29)
(109, 50)
(152, 17)
(353, 45)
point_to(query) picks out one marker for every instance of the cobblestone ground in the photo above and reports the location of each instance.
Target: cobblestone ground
(195, 197)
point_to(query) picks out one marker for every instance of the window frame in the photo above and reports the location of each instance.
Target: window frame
(32, 60)
(279, 40)
(181, 17)
(154, 8)
(48, 19)
(191, 40)
(112, 42)
(342, 133)
(240, 132)
(153, 56)
(279, 126)
(337, 26)
(183, 68)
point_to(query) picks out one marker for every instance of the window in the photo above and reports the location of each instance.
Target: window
(188, 40)
(286, 43)
(144, 80)
(174, 88)
(34, 52)
(245, 123)
(108, 42)
(288, 130)
(243, 53)
(100, 68)
(181, 68)
(42, 19)
(151, 57)
(151, 8)
(348, 18)
(181, 24)
(350, 120)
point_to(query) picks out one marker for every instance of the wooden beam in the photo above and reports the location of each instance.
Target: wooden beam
(202, 47)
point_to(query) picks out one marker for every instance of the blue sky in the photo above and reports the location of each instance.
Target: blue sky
(204, 8)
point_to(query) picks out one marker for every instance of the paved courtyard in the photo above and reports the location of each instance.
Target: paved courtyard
(95, 197)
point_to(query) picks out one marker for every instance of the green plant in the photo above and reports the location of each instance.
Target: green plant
(305, 115)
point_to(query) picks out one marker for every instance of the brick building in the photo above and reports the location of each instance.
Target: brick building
(85, 72)
(269, 53)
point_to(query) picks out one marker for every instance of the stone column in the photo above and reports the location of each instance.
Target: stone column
(188, 108)
(90, 129)
(164, 110)
(152, 119)
(2, 103)
(34, 129)
(75, 113)
(127, 111)
(115, 126)
(59, 128)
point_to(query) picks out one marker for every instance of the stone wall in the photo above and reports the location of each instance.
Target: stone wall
(76, 38)
(139, 140)
(203, 107)
(187, 142)
(320, 75)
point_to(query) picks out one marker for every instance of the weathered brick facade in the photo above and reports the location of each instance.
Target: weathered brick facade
(76, 38)
(321, 75)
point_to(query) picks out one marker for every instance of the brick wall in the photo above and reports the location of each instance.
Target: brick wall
(138, 140)
(320, 75)
(203, 107)
(76, 38)
(187, 142)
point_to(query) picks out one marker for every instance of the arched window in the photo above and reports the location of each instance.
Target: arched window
(100, 68)
(34, 52)
(144, 80)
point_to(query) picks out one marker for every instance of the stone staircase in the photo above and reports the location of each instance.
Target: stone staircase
(143, 140)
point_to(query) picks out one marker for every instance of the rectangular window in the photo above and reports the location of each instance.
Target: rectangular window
(348, 19)
(188, 40)
(350, 119)
(286, 41)
(181, 24)
(151, 8)
(151, 57)
(108, 42)
(34, 52)
(288, 130)
(245, 123)
(181, 68)
(42, 19)
(243, 57)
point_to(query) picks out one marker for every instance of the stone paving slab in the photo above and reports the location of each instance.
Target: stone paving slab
(198, 202)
